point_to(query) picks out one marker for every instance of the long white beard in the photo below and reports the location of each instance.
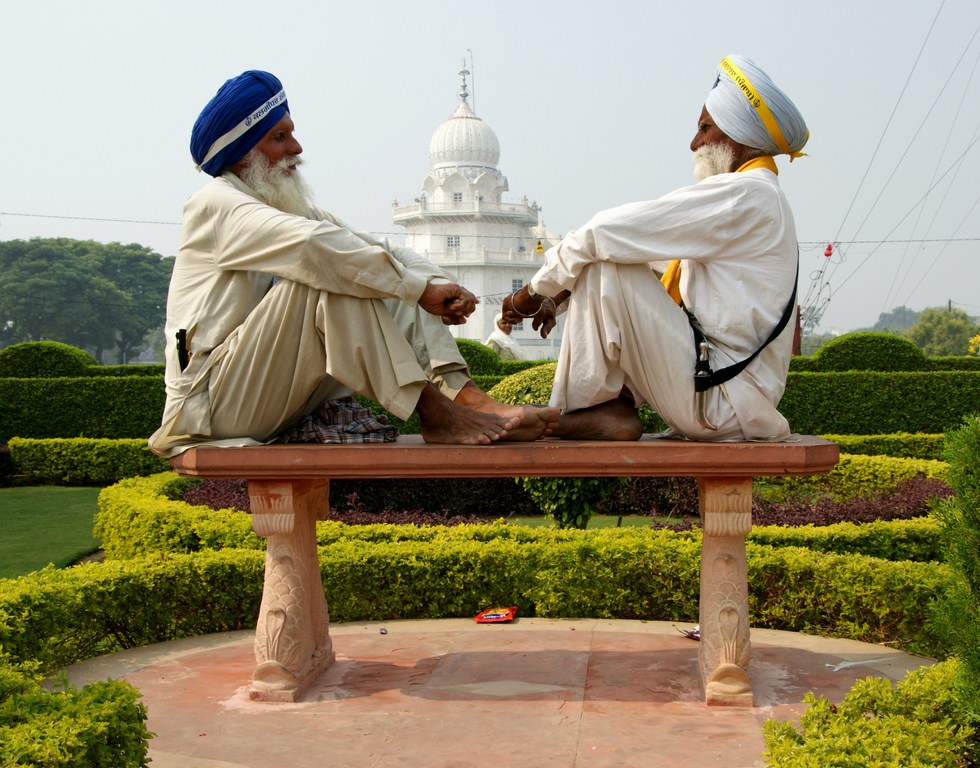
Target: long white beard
(712, 159)
(277, 185)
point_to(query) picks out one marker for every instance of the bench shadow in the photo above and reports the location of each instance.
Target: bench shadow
(780, 676)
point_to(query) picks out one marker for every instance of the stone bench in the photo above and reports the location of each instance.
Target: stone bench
(289, 487)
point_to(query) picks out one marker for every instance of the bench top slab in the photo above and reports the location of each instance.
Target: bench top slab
(409, 456)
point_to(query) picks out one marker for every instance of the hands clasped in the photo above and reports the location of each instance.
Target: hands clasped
(452, 302)
(520, 306)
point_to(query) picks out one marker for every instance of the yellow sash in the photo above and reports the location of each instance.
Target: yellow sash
(671, 278)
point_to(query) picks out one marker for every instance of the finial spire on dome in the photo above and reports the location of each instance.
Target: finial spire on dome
(463, 93)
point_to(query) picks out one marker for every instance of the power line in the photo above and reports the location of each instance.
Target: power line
(890, 118)
(89, 218)
(386, 233)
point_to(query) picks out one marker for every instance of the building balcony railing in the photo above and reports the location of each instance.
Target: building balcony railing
(483, 258)
(424, 208)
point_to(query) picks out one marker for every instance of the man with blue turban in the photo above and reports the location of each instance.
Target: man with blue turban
(279, 312)
(710, 353)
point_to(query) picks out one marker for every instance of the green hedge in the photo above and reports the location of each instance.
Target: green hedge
(59, 617)
(869, 351)
(103, 462)
(915, 540)
(99, 725)
(622, 573)
(112, 407)
(84, 461)
(852, 477)
(129, 369)
(44, 359)
(900, 445)
(918, 722)
(857, 403)
(872, 403)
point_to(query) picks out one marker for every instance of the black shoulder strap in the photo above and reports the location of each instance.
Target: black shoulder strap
(704, 377)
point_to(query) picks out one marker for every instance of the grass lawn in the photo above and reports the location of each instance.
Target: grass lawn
(42, 525)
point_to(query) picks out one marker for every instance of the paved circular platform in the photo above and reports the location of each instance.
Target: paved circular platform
(453, 693)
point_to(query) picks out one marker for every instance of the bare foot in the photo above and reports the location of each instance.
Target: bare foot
(444, 421)
(534, 421)
(612, 420)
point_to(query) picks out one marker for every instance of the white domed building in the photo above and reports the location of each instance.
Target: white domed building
(460, 222)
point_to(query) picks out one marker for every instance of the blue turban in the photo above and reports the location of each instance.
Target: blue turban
(240, 113)
(748, 107)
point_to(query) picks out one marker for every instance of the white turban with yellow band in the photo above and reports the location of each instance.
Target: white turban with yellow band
(748, 107)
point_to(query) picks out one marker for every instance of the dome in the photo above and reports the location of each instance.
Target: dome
(464, 140)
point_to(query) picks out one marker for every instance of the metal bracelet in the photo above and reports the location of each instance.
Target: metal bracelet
(513, 305)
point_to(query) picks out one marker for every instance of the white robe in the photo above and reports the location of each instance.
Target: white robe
(737, 241)
(342, 317)
(506, 346)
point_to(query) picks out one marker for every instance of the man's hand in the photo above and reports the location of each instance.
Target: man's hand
(452, 302)
(519, 306)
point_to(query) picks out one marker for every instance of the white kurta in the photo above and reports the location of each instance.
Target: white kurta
(737, 241)
(341, 317)
(506, 347)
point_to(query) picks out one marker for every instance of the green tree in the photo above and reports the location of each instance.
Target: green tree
(940, 331)
(98, 297)
(898, 320)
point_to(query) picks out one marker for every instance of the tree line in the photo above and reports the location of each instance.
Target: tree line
(110, 300)
(106, 298)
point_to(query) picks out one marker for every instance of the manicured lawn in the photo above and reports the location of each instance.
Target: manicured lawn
(41, 525)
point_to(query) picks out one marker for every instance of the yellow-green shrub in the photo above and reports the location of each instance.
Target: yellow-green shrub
(138, 516)
(919, 722)
(901, 445)
(98, 725)
(917, 540)
(853, 476)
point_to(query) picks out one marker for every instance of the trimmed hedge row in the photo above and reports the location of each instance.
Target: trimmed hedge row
(96, 461)
(108, 407)
(915, 540)
(141, 515)
(84, 460)
(388, 571)
(852, 477)
(59, 617)
(900, 445)
(872, 403)
(857, 403)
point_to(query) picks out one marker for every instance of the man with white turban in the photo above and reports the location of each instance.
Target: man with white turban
(278, 310)
(502, 342)
(724, 249)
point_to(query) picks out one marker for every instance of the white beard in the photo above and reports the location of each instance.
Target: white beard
(712, 159)
(277, 185)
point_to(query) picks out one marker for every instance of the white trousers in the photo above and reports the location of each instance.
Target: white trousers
(622, 329)
(299, 347)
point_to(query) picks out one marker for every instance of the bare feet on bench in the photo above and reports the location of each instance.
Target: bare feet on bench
(613, 420)
(535, 421)
(444, 421)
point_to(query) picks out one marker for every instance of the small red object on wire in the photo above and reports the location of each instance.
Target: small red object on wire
(829, 251)
(495, 615)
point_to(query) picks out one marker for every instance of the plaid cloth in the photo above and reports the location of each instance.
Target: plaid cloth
(341, 421)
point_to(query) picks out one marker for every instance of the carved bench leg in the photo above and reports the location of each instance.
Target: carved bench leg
(723, 657)
(292, 636)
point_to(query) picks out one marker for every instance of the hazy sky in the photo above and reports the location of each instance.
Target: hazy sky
(594, 104)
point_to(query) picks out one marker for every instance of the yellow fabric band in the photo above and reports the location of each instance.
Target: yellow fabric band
(671, 278)
(759, 162)
(760, 106)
